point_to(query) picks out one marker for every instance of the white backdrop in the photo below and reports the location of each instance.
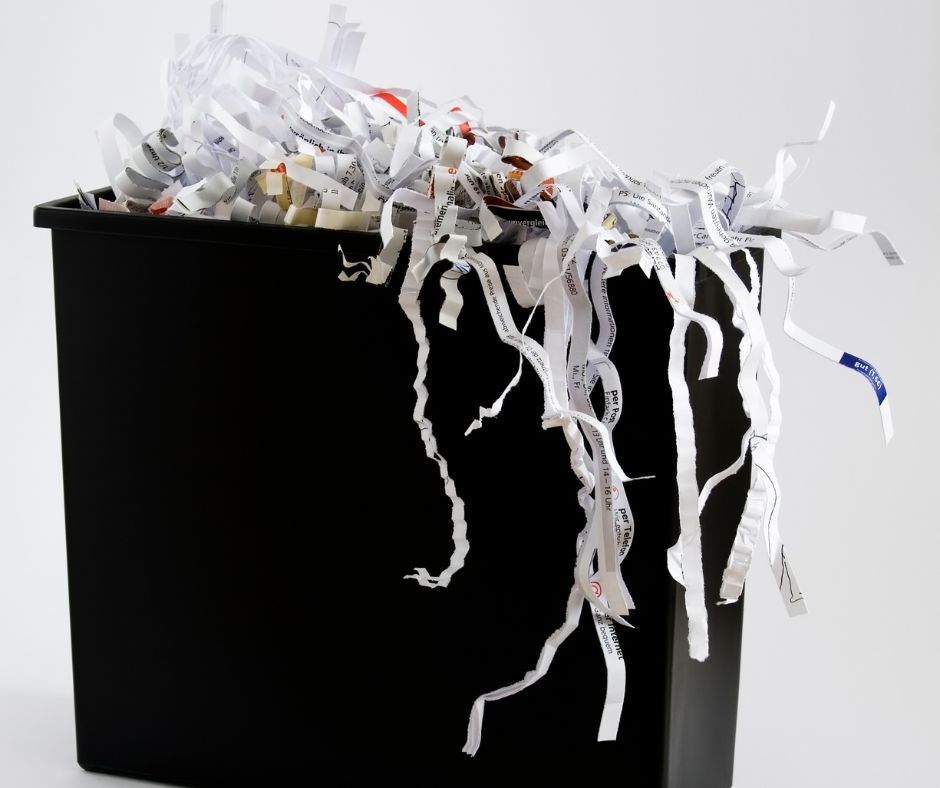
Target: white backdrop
(845, 696)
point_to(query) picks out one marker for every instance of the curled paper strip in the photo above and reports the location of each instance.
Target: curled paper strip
(257, 133)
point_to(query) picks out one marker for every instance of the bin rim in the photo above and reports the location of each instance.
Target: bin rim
(65, 213)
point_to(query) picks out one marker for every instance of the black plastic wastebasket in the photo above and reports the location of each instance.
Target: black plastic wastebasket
(227, 631)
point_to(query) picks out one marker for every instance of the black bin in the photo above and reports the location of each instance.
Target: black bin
(227, 631)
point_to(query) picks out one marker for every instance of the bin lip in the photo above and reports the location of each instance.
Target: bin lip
(65, 214)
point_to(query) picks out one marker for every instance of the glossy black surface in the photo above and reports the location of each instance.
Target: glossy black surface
(228, 631)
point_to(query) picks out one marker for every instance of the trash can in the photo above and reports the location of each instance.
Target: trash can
(223, 394)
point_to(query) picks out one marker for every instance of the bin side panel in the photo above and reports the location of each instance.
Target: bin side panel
(229, 629)
(703, 696)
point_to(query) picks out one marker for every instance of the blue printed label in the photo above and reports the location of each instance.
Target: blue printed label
(871, 374)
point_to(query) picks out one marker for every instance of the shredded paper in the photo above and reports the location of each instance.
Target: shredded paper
(256, 133)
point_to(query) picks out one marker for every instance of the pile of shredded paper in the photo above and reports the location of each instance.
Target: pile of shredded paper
(255, 133)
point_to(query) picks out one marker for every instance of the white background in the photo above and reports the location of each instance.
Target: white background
(845, 696)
